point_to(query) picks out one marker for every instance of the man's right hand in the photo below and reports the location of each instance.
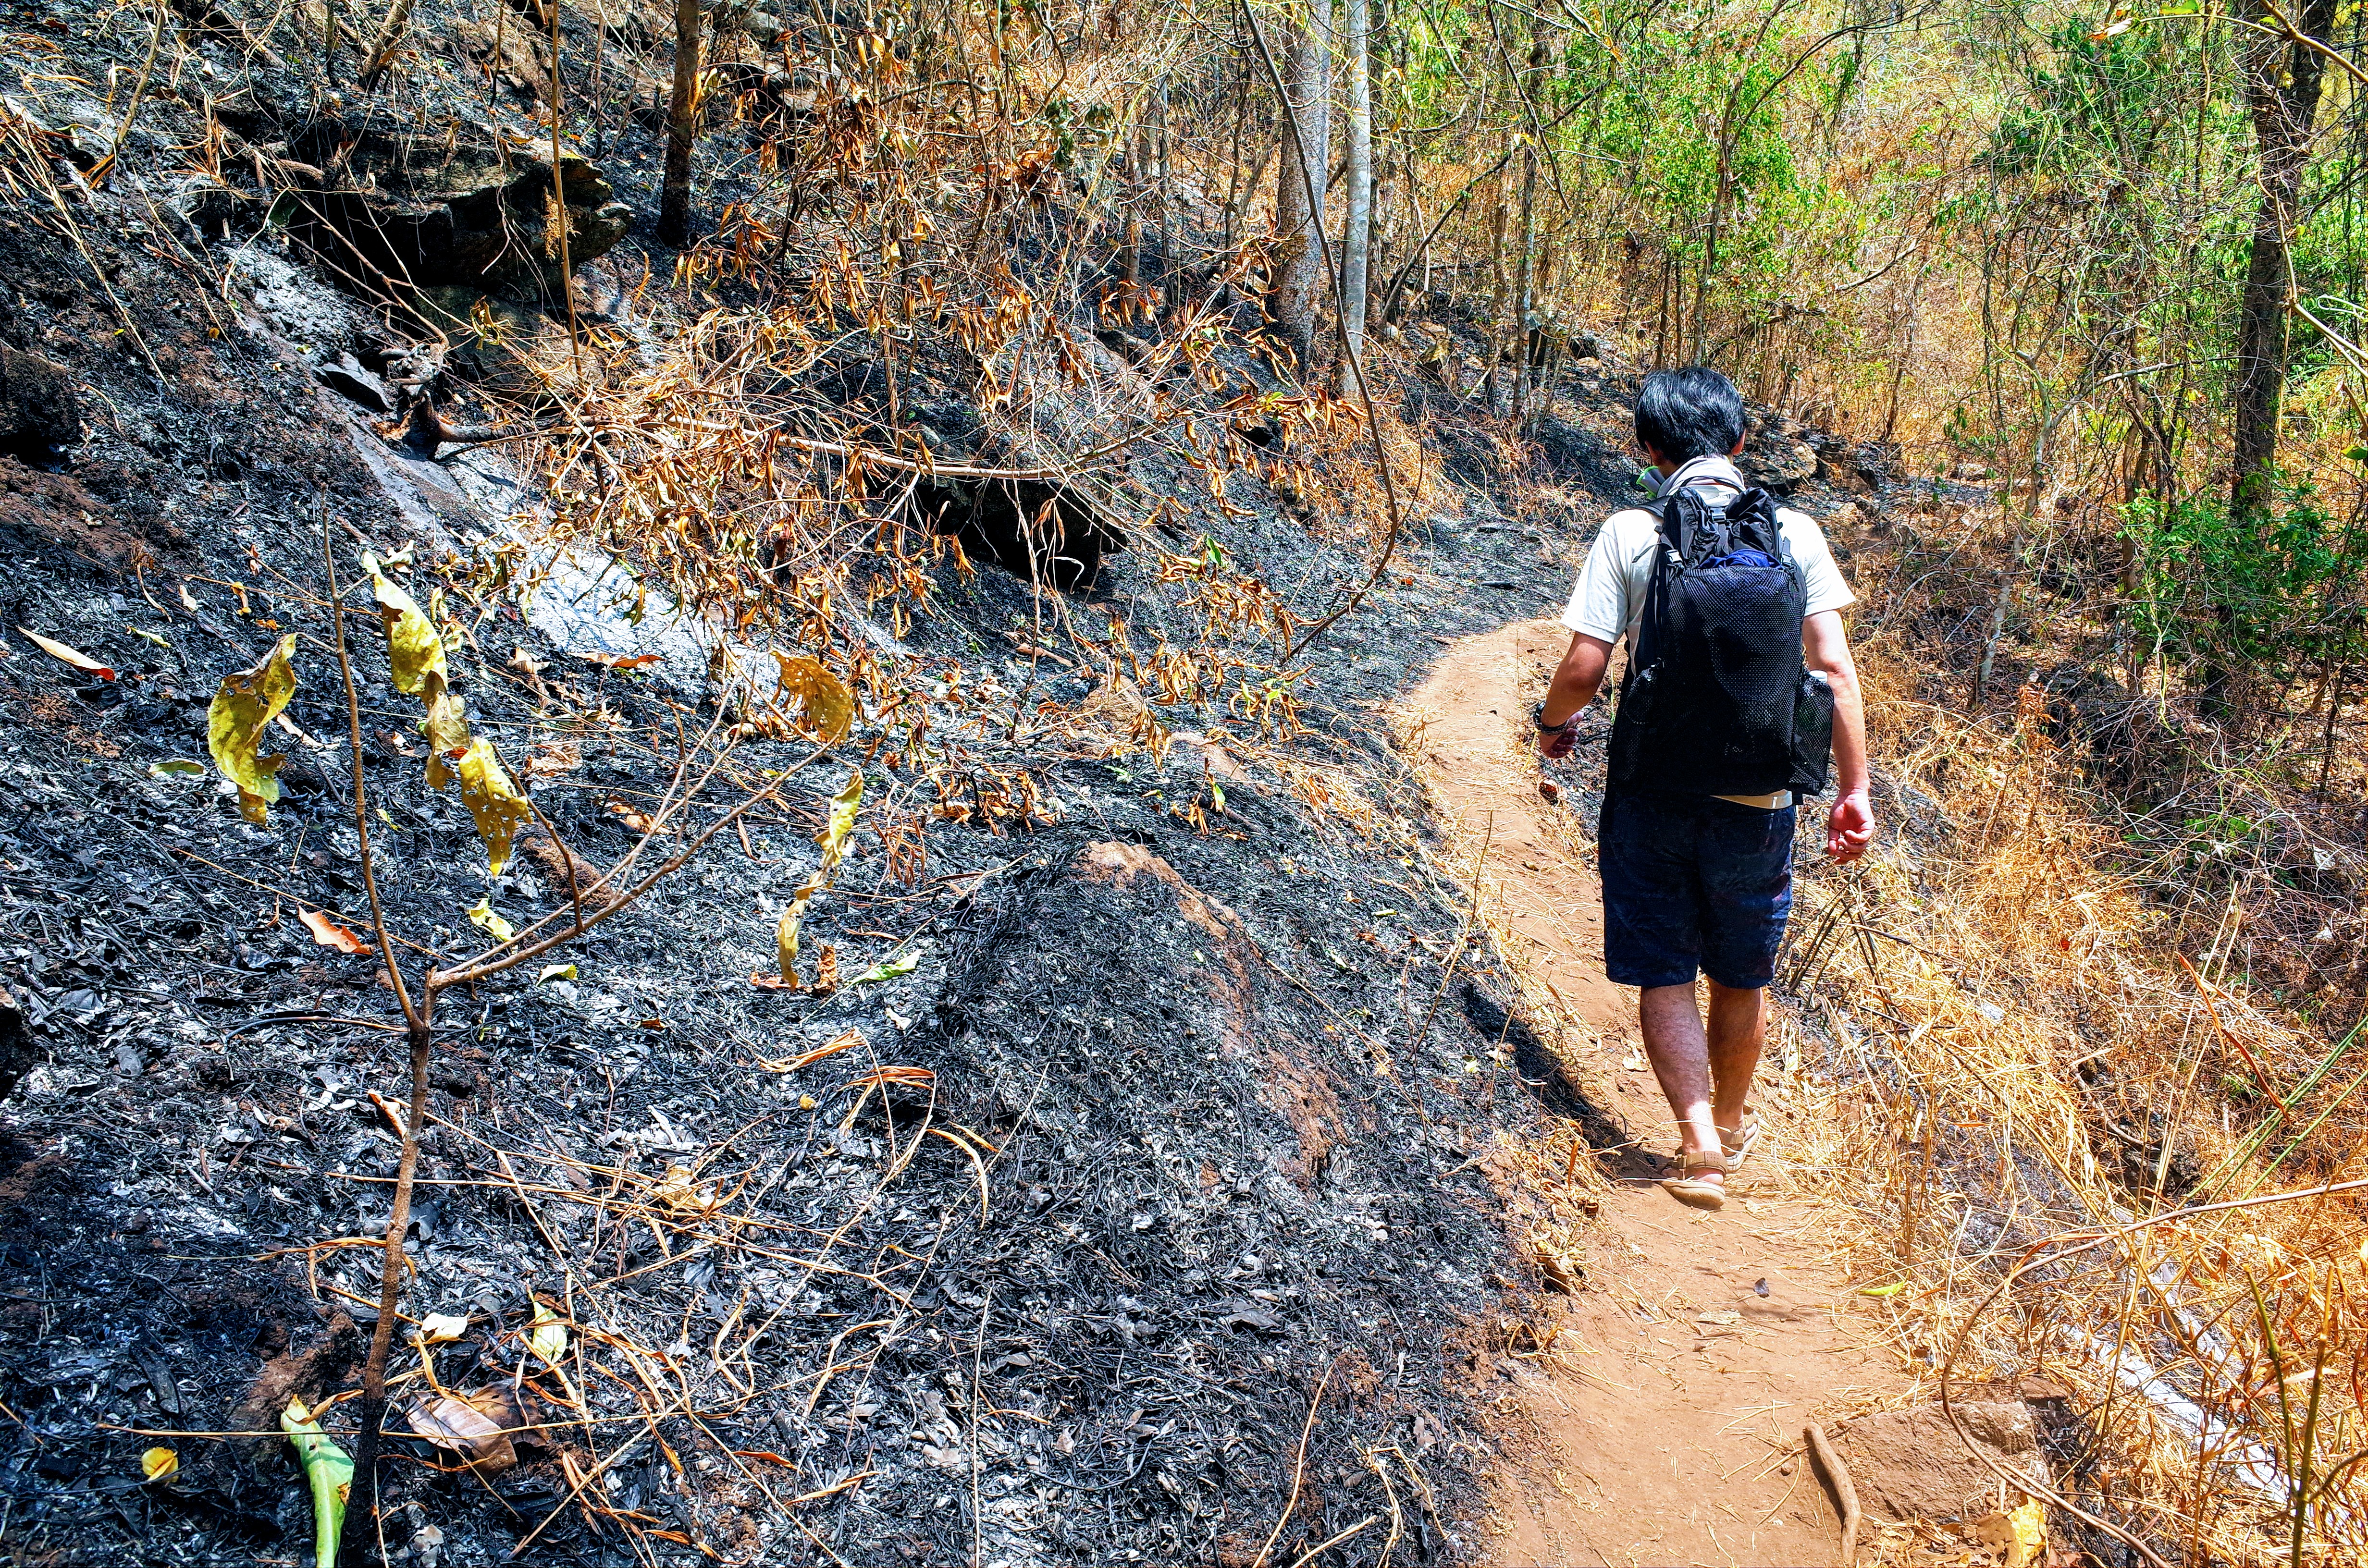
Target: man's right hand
(1851, 827)
(1556, 744)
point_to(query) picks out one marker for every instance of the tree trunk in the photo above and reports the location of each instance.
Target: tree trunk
(1305, 164)
(682, 127)
(1501, 296)
(1356, 243)
(1525, 300)
(2282, 83)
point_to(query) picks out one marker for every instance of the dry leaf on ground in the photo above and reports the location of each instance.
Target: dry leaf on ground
(329, 934)
(75, 657)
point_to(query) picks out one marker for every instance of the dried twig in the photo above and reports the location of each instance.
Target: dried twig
(1845, 1492)
(1298, 1469)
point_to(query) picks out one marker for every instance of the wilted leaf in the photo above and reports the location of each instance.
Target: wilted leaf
(159, 1465)
(328, 1470)
(678, 1191)
(147, 636)
(79, 660)
(478, 1425)
(414, 652)
(442, 1328)
(555, 971)
(447, 726)
(889, 969)
(493, 800)
(481, 915)
(621, 660)
(828, 708)
(242, 706)
(842, 826)
(548, 1338)
(785, 940)
(836, 830)
(177, 767)
(329, 934)
(848, 1040)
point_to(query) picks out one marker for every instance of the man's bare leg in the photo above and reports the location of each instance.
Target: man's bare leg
(1679, 1051)
(1737, 1025)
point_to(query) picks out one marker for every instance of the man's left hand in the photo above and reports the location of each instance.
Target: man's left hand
(1851, 827)
(1556, 744)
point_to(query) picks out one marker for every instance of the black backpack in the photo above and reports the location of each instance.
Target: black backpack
(1717, 699)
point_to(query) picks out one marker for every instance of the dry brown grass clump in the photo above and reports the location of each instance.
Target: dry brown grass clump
(2069, 1152)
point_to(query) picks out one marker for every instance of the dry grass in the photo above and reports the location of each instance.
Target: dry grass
(2026, 1110)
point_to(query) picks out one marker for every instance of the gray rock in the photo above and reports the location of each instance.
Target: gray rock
(480, 216)
(1777, 464)
(1910, 1464)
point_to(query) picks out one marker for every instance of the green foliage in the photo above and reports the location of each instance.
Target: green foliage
(2276, 596)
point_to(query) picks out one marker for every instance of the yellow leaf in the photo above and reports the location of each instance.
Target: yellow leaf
(1883, 1290)
(159, 1464)
(482, 916)
(842, 826)
(2029, 1543)
(835, 833)
(242, 706)
(785, 941)
(79, 660)
(447, 726)
(828, 708)
(493, 800)
(412, 649)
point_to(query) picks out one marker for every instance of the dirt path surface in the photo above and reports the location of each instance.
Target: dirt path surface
(1664, 1427)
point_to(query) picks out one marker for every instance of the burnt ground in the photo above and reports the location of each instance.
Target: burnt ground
(1163, 1112)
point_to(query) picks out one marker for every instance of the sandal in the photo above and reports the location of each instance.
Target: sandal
(1690, 1189)
(1733, 1154)
(1740, 1150)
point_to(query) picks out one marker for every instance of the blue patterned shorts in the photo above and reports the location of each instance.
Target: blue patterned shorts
(1694, 883)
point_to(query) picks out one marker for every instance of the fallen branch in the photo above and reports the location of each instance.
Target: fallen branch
(1845, 1493)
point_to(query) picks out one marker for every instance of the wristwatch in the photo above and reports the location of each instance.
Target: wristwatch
(1538, 718)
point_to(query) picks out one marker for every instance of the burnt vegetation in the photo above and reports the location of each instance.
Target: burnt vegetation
(826, 955)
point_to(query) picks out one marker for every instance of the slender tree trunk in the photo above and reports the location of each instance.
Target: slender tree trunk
(1525, 301)
(2282, 88)
(1356, 245)
(1298, 288)
(1500, 297)
(2282, 83)
(682, 127)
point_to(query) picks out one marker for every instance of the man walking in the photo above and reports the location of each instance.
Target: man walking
(1738, 672)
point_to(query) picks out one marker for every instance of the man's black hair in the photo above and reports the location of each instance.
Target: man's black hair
(1694, 413)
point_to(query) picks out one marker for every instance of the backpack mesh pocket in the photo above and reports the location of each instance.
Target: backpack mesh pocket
(1812, 732)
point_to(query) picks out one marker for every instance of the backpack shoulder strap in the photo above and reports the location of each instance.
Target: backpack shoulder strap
(1668, 551)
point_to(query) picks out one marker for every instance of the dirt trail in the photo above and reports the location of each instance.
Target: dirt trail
(1666, 1427)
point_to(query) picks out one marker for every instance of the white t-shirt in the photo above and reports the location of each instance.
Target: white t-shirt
(1609, 599)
